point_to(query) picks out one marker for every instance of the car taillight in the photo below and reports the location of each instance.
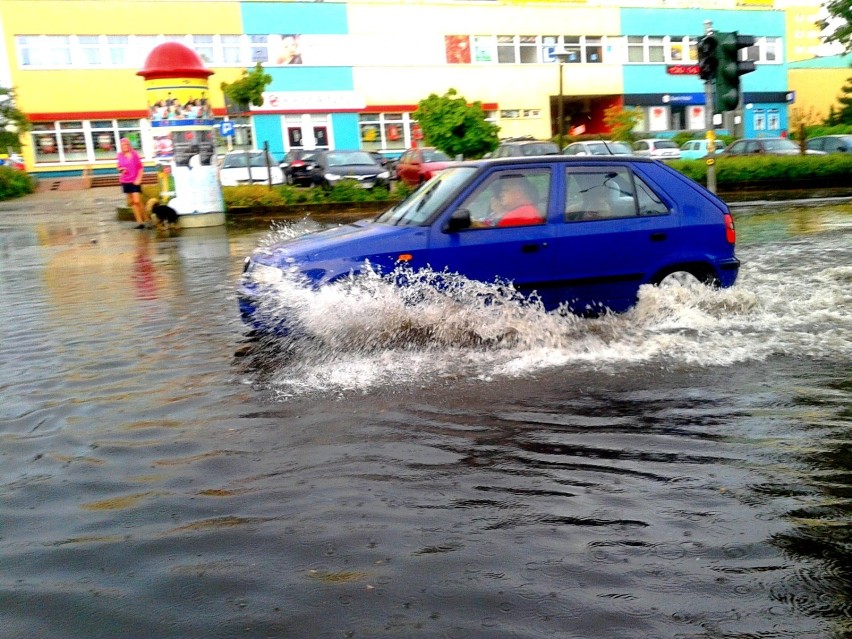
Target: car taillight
(297, 163)
(730, 231)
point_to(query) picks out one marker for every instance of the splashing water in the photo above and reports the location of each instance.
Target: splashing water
(365, 332)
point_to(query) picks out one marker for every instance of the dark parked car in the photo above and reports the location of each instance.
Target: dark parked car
(766, 146)
(333, 166)
(416, 166)
(840, 143)
(525, 147)
(582, 234)
(298, 165)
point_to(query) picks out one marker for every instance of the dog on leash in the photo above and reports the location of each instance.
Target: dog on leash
(163, 214)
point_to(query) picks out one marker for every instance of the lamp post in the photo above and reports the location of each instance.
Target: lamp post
(561, 56)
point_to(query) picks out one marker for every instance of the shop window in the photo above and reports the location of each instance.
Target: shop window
(104, 140)
(383, 131)
(45, 142)
(759, 120)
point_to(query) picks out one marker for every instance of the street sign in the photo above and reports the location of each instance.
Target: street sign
(226, 129)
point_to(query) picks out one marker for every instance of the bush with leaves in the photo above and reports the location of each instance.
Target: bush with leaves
(15, 183)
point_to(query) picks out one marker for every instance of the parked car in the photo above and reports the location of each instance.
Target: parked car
(298, 165)
(249, 167)
(333, 166)
(766, 146)
(587, 234)
(13, 161)
(381, 158)
(524, 147)
(598, 147)
(840, 143)
(697, 149)
(657, 148)
(416, 166)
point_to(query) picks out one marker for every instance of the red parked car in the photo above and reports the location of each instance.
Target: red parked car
(416, 166)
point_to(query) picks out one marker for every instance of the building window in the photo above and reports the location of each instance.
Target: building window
(656, 49)
(259, 48)
(142, 46)
(29, 52)
(572, 46)
(105, 139)
(773, 120)
(593, 50)
(635, 49)
(484, 48)
(506, 49)
(529, 49)
(759, 120)
(385, 131)
(231, 49)
(203, 45)
(117, 47)
(90, 50)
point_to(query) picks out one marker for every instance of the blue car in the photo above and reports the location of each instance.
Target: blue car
(578, 234)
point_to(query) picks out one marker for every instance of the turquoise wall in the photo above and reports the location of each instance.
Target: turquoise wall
(294, 17)
(267, 128)
(299, 78)
(640, 22)
(346, 130)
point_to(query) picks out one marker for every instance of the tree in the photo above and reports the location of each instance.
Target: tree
(844, 116)
(12, 121)
(248, 89)
(621, 122)
(455, 127)
(839, 22)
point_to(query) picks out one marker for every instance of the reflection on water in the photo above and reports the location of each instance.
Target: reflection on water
(424, 465)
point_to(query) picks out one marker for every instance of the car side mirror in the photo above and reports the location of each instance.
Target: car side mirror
(459, 220)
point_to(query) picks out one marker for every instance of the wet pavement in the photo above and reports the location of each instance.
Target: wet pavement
(681, 471)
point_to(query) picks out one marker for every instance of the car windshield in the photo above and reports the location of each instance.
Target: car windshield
(238, 160)
(349, 158)
(435, 156)
(419, 207)
(780, 144)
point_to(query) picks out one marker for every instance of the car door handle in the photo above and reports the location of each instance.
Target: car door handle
(658, 237)
(532, 248)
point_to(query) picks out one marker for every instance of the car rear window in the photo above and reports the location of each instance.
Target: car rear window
(435, 156)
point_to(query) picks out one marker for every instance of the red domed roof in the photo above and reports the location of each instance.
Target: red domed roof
(173, 60)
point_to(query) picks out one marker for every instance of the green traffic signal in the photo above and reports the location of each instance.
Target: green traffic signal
(730, 68)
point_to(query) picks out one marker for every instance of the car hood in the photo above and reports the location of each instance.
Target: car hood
(352, 243)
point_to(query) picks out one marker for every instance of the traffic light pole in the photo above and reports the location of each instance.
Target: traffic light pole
(709, 131)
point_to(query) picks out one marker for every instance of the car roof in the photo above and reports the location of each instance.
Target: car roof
(565, 159)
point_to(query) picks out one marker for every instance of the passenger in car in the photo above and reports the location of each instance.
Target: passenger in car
(517, 196)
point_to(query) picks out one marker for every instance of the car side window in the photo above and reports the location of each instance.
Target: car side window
(608, 193)
(517, 197)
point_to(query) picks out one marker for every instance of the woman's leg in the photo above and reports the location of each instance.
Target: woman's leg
(138, 209)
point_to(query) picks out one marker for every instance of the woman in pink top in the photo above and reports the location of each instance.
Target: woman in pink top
(130, 176)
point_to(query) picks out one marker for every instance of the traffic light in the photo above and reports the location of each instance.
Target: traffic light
(730, 68)
(708, 62)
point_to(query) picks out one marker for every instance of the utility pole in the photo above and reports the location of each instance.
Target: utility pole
(708, 64)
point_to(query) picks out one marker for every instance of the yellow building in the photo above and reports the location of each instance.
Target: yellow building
(817, 83)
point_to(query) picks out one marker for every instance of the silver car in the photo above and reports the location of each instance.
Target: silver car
(598, 147)
(657, 148)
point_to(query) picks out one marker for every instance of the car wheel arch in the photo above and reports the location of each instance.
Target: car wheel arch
(701, 271)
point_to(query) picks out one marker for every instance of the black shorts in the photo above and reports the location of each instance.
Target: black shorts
(129, 187)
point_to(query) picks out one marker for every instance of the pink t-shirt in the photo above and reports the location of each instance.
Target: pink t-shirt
(132, 165)
(521, 216)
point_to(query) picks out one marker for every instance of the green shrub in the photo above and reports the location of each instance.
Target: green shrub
(743, 170)
(261, 195)
(15, 183)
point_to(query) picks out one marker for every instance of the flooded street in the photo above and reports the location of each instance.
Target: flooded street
(444, 469)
